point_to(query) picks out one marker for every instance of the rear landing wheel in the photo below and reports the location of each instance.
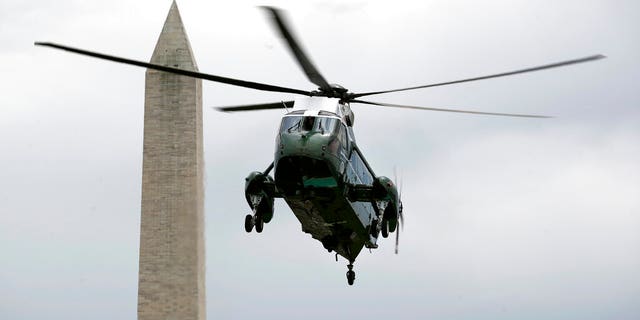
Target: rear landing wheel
(248, 223)
(351, 277)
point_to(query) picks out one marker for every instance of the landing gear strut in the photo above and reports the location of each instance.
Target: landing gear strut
(256, 219)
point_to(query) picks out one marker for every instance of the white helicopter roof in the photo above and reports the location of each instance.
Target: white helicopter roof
(313, 105)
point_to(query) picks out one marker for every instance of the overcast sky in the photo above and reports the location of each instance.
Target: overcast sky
(506, 218)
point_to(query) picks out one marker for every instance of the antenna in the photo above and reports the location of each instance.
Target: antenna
(285, 107)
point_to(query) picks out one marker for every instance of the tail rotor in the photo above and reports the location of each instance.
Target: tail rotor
(400, 216)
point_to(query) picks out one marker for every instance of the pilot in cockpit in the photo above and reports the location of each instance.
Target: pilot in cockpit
(307, 123)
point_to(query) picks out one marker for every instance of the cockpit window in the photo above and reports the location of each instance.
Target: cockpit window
(324, 125)
(307, 123)
(290, 124)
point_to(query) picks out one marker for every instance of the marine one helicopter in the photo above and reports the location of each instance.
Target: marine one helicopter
(319, 170)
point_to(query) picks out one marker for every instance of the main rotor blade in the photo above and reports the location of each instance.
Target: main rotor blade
(449, 110)
(193, 74)
(262, 106)
(504, 74)
(279, 20)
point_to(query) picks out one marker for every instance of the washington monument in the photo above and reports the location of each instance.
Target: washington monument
(172, 273)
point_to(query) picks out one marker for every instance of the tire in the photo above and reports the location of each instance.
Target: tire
(373, 228)
(265, 209)
(385, 228)
(259, 224)
(391, 216)
(248, 223)
(393, 224)
(351, 277)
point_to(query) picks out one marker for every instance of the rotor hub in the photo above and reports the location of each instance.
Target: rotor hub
(336, 91)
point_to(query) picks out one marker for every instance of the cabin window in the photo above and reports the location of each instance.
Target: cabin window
(357, 171)
(342, 135)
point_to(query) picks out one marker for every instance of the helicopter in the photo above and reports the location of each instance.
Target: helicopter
(319, 170)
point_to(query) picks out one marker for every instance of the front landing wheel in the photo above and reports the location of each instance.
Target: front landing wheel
(248, 223)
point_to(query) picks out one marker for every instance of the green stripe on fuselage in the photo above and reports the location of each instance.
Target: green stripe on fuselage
(326, 182)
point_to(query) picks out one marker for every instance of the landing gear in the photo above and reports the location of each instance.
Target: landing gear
(251, 221)
(385, 228)
(248, 223)
(259, 191)
(373, 229)
(257, 219)
(259, 224)
(351, 275)
(382, 224)
(378, 225)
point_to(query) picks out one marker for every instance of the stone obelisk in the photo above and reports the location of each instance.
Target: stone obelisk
(171, 275)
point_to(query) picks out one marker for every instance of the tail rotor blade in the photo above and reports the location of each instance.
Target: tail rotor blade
(400, 217)
(398, 236)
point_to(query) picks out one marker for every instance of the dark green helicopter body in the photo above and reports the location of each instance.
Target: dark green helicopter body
(324, 178)
(319, 169)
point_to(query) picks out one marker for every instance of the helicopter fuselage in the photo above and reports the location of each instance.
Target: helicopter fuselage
(325, 180)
